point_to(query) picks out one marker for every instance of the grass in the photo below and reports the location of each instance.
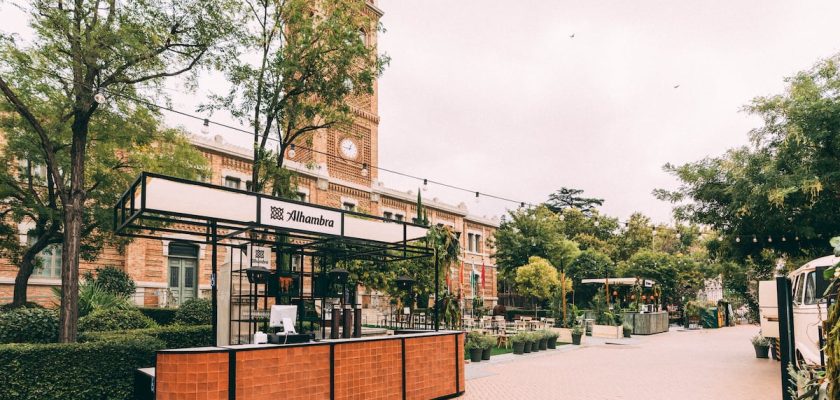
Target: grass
(500, 350)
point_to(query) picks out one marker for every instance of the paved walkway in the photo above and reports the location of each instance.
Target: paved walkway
(685, 365)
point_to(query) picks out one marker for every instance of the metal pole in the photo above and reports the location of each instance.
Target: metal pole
(437, 292)
(213, 287)
(786, 340)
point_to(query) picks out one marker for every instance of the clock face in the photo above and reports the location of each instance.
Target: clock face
(349, 149)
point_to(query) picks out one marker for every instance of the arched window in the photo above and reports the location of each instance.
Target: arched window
(183, 271)
(363, 36)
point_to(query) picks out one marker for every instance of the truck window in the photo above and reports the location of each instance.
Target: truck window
(811, 296)
(797, 289)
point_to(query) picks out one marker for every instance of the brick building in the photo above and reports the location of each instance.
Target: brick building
(167, 273)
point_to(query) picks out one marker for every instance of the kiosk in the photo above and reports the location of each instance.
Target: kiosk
(279, 252)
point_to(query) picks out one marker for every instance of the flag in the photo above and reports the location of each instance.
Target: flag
(461, 281)
(483, 275)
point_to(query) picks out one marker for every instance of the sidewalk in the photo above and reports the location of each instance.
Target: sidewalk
(703, 364)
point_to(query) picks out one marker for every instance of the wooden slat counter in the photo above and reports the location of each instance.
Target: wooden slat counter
(428, 365)
(647, 323)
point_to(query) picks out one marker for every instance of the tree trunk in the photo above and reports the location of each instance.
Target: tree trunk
(73, 212)
(25, 269)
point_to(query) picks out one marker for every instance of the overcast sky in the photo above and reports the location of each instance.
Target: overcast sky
(495, 96)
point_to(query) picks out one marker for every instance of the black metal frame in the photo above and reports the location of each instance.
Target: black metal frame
(137, 220)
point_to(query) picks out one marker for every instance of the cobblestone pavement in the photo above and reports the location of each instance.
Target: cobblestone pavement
(714, 364)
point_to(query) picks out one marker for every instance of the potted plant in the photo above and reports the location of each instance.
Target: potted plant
(627, 331)
(535, 342)
(529, 340)
(577, 332)
(543, 335)
(761, 345)
(552, 339)
(474, 348)
(487, 343)
(519, 340)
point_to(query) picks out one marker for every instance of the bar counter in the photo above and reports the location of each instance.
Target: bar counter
(422, 365)
(647, 323)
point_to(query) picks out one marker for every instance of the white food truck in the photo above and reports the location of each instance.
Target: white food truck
(809, 308)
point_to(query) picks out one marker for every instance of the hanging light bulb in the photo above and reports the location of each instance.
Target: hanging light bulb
(425, 185)
(755, 240)
(720, 238)
(292, 151)
(205, 128)
(737, 239)
(476, 198)
(797, 238)
(769, 239)
(522, 205)
(784, 239)
(99, 97)
(596, 223)
(364, 169)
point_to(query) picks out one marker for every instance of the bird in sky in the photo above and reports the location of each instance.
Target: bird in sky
(676, 86)
(572, 36)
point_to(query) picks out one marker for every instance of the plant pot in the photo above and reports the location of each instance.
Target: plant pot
(773, 354)
(527, 348)
(485, 354)
(552, 343)
(535, 346)
(543, 344)
(475, 355)
(627, 334)
(761, 351)
(576, 339)
(519, 348)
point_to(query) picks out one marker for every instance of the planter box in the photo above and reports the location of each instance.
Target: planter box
(565, 335)
(607, 331)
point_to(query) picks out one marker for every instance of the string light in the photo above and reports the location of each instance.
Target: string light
(738, 239)
(769, 239)
(292, 152)
(205, 128)
(425, 184)
(364, 169)
(476, 198)
(99, 97)
(755, 240)
(784, 239)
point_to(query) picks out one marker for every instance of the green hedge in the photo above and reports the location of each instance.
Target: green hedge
(195, 312)
(174, 336)
(163, 316)
(511, 315)
(94, 370)
(29, 325)
(114, 319)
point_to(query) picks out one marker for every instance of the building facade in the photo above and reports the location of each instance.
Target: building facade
(328, 173)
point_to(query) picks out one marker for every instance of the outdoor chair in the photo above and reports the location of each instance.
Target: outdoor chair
(549, 322)
(503, 340)
(521, 325)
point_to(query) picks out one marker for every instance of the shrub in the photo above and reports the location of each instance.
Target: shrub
(113, 280)
(487, 342)
(29, 325)
(195, 312)
(59, 371)
(577, 329)
(759, 340)
(113, 319)
(162, 316)
(174, 336)
(28, 304)
(521, 337)
(93, 297)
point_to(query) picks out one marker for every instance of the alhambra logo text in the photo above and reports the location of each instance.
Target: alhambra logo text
(299, 216)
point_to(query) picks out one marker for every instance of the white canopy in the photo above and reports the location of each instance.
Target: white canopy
(618, 281)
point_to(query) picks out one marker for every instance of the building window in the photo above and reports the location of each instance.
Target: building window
(301, 196)
(477, 243)
(399, 217)
(470, 242)
(50, 262)
(348, 204)
(232, 182)
(248, 185)
(388, 215)
(363, 36)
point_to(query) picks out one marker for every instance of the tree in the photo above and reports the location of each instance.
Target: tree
(525, 233)
(657, 266)
(311, 57)
(537, 279)
(637, 235)
(83, 51)
(589, 264)
(126, 142)
(566, 198)
(785, 184)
